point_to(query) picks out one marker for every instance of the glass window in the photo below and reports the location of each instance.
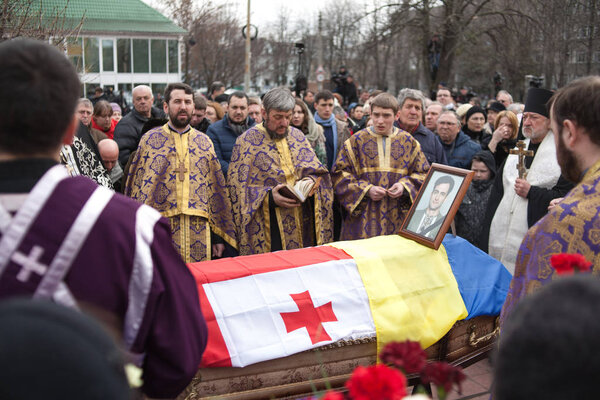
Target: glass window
(159, 55)
(173, 56)
(125, 94)
(158, 88)
(124, 55)
(91, 57)
(108, 59)
(75, 53)
(126, 87)
(140, 55)
(89, 88)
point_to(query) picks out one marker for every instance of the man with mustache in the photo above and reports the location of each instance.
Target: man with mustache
(515, 203)
(225, 132)
(572, 225)
(176, 171)
(265, 159)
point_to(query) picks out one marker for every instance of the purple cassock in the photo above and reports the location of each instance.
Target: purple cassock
(84, 246)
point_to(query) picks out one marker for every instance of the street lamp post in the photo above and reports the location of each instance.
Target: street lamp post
(248, 53)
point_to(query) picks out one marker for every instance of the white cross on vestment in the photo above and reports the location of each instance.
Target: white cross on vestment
(29, 263)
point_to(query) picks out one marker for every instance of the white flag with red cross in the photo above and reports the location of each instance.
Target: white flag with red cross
(273, 305)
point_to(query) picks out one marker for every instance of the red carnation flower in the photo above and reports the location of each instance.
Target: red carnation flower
(568, 264)
(442, 375)
(407, 356)
(378, 382)
(333, 395)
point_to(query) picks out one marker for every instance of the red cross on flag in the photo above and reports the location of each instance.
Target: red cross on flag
(269, 306)
(309, 317)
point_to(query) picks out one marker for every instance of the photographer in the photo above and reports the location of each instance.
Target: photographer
(345, 86)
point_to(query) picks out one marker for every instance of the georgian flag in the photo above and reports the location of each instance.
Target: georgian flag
(273, 305)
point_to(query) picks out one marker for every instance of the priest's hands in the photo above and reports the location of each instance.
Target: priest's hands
(283, 201)
(522, 187)
(554, 202)
(396, 190)
(377, 193)
(218, 249)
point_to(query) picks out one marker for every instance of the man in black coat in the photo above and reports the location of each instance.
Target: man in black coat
(128, 131)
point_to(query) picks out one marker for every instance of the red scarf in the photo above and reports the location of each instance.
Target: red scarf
(110, 132)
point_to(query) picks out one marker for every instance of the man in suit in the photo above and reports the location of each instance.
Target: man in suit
(427, 222)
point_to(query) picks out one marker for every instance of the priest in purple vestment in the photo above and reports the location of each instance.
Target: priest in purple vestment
(67, 240)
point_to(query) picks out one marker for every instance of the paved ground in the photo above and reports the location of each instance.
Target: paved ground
(478, 383)
(476, 386)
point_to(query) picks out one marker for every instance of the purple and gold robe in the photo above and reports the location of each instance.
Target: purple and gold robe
(367, 160)
(572, 226)
(259, 163)
(195, 205)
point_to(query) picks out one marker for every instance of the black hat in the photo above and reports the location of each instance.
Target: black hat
(222, 98)
(537, 100)
(488, 159)
(496, 106)
(51, 352)
(475, 110)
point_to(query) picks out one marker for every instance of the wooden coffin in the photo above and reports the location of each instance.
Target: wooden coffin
(301, 374)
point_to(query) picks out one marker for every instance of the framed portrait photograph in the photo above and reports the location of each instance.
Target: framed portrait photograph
(436, 204)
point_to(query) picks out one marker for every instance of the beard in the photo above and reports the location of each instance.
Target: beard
(530, 134)
(567, 161)
(176, 122)
(272, 134)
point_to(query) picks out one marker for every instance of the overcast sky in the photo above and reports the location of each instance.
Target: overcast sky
(264, 12)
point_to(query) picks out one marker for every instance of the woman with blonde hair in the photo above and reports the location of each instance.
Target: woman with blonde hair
(504, 137)
(214, 111)
(303, 120)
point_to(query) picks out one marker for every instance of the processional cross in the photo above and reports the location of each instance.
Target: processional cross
(522, 153)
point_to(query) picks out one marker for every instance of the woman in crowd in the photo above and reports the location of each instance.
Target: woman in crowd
(303, 120)
(471, 213)
(103, 125)
(117, 114)
(474, 128)
(214, 112)
(504, 137)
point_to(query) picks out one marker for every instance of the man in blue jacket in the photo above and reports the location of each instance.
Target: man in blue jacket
(459, 148)
(224, 133)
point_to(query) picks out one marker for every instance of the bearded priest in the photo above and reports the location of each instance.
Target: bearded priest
(176, 171)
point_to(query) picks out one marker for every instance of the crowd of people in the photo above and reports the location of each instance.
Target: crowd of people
(208, 176)
(376, 154)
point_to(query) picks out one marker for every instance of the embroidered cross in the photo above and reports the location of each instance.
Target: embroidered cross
(181, 170)
(29, 263)
(521, 152)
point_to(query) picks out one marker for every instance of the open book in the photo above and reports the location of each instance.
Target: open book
(303, 189)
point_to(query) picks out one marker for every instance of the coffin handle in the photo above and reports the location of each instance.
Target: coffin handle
(474, 341)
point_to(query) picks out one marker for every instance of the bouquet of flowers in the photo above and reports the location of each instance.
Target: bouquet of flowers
(569, 264)
(387, 381)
